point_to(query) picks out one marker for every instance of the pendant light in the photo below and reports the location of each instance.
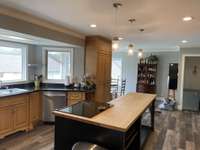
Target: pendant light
(130, 49)
(140, 53)
(115, 39)
(115, 43)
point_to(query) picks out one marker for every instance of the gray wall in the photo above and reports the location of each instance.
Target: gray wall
(191, 79)
(129, 72)
(32, 59)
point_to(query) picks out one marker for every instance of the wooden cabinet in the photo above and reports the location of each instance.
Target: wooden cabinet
(6, 122)
(21, 115)
(98, 64)
(14, 114)
(75, 97)
(35, 108)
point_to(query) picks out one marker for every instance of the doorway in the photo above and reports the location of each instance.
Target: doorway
(172, 80)
(191, 86)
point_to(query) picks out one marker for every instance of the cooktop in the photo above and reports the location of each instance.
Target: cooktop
(86, 108)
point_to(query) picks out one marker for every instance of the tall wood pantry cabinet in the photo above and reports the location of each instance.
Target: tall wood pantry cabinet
(98, 58)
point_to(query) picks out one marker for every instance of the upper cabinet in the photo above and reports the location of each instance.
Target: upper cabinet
(98, 63)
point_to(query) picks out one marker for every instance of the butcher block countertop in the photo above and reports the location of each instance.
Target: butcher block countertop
(121, 116)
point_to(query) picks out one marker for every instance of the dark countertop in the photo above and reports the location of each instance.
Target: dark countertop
(67, 89)
(56, 89)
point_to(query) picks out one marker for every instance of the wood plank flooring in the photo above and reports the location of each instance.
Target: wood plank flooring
(173, 131)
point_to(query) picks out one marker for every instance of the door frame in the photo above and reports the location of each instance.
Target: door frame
(182, 71)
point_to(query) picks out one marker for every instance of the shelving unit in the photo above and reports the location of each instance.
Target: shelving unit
(146, 79)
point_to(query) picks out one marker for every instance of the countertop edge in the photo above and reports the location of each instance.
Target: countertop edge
(47, 89)
(81, 119)
(90, 121)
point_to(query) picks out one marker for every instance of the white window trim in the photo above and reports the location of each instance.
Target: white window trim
(24, 61)
(44, 62)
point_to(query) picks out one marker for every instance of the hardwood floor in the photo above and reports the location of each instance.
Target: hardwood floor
(173, 131)
(39, 139)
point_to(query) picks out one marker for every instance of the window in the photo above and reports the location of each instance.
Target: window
(116, 68)
(13, 62)
(59, 63)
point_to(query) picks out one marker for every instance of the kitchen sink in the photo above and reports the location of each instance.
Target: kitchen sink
(11, 91)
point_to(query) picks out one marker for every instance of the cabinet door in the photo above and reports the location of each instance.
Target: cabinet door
(75, 97)
(103, 77)
(21, 115)
(101, 69)
(35, 107)
(6, 119)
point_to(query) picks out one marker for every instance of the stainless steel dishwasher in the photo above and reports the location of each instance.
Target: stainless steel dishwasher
(52, 100)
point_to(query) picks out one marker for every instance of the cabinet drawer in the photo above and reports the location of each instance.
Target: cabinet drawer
(76, 96)
(13, 100)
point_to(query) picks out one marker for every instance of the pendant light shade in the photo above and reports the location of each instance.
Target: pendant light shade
(140, 53)
(115, 45)
(130, 49)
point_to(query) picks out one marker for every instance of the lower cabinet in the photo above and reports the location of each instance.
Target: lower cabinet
(35, 109)
(14, 114)
(6, 122)
(75, 97)
(21, 115)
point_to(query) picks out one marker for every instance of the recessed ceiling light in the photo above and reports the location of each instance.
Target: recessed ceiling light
(184, 41)
(187, 18)
(120, 38)
(93, 25)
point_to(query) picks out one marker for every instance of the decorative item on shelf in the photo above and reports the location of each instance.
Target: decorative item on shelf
(142, 61)
(153, 59)
(89, 82)
(147, 69)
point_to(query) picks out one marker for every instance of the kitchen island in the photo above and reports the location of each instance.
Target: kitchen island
(116, 128)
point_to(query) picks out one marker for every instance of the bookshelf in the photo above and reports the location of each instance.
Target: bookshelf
(146, 79)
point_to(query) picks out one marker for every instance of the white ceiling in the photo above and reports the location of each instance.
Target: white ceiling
(161, 19)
